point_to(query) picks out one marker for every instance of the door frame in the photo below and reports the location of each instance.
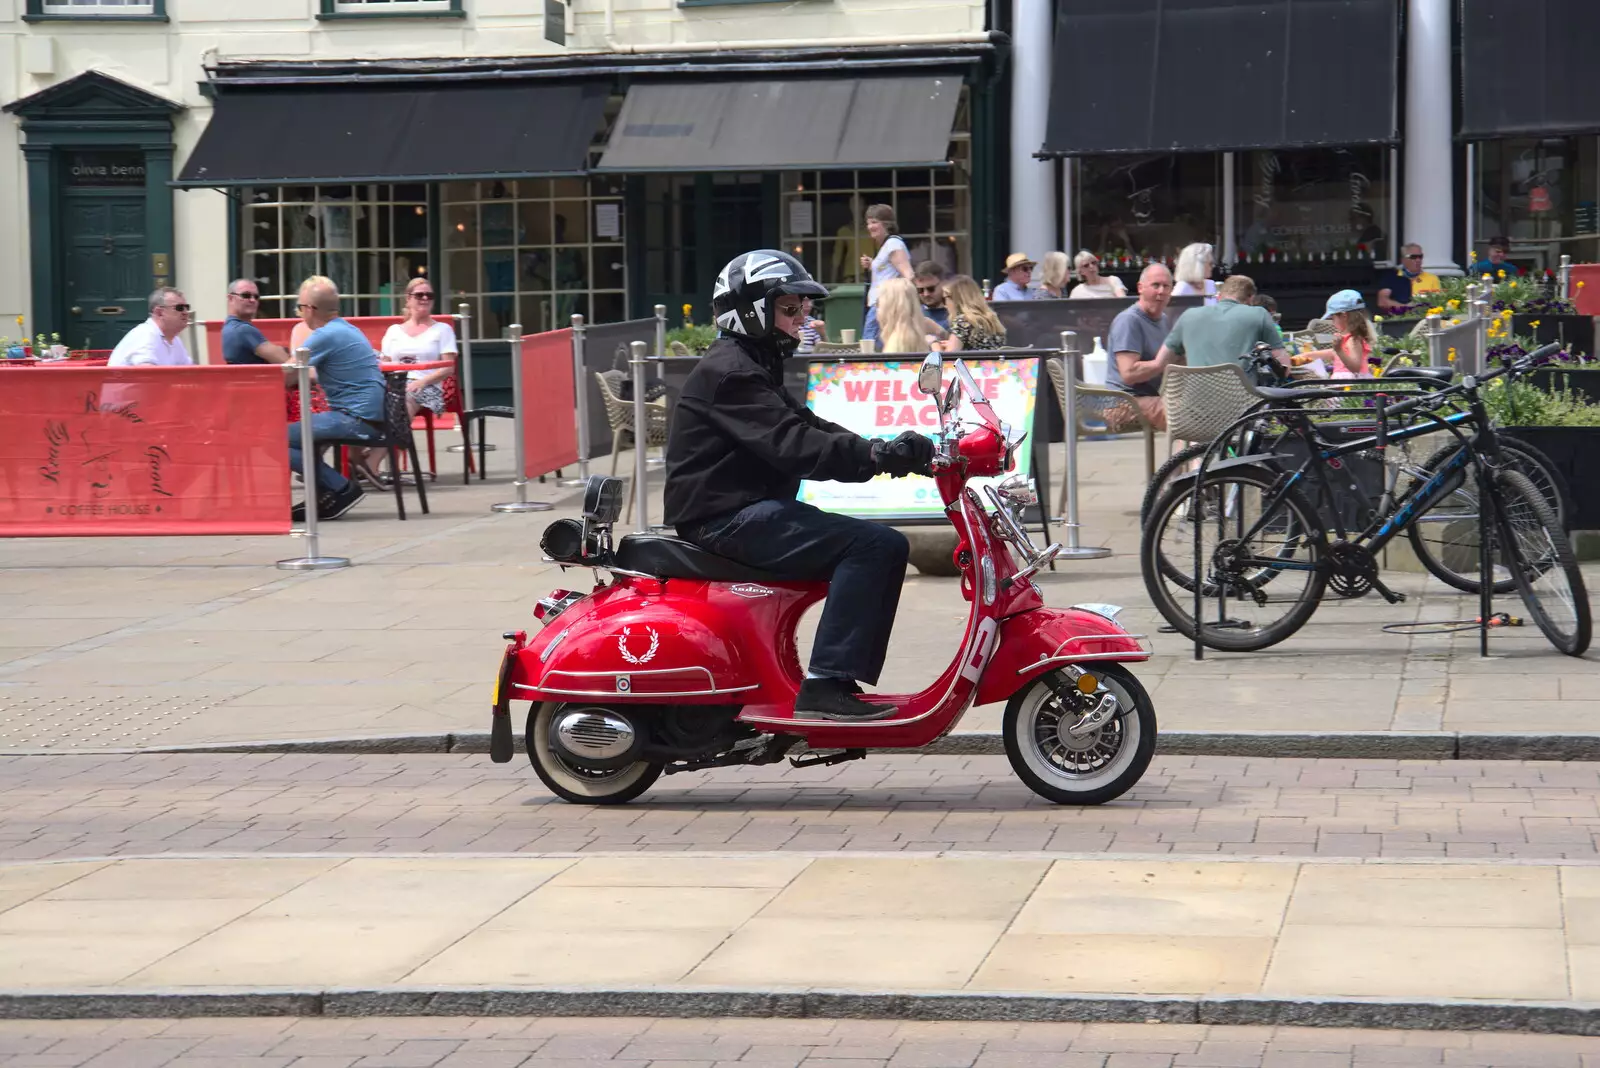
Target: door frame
(91, 111)
(634, 215)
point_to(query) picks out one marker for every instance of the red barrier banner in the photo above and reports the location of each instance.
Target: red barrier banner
(549, 416)
(143, 450)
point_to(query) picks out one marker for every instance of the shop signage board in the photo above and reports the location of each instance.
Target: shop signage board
(880, 399)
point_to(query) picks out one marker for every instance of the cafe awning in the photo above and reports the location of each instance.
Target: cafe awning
(1216, 75)
(794, 124)
(1527, 68)
(350, 133)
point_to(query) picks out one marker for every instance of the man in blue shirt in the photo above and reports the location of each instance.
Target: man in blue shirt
(242, 340)
(928, 277)
(343, 363)
(1018, 272)
(1495, 265)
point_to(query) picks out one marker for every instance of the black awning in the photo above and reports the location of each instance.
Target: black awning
(794, 124)
(349, 133)
(1527, 68)
(1211, 75)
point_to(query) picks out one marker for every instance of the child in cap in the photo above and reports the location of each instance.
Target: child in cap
(1348, 357)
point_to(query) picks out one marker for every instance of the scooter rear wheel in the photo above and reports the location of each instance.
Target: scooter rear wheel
(582, 786)
(1091, 770)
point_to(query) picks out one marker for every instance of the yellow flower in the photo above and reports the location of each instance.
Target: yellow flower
(1501, 272)
(1435, 311)
(1451, 355)
(1534, 325)
(1581, 283)
(1377, 372)
(1379, 318)
(1513, 285)
(1486, 276)
(19, 320)
(1453, 303)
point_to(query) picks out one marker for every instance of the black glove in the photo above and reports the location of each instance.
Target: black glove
(908, 454)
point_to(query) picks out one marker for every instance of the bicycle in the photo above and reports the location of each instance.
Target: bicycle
(1256, 538)
(1443, 536)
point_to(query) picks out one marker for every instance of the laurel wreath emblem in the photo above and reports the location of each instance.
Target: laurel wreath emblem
(622, 645)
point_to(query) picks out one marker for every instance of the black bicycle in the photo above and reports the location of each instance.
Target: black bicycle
(1445, 536)
(1267, 555)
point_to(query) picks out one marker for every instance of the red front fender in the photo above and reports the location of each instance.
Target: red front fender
(1036, 641)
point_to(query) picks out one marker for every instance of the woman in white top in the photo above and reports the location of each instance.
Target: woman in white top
(1092, 283)
(1193, 275)
(421, 338)
(892, 261)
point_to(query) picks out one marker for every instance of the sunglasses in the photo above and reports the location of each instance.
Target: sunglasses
(791, 309)
(178, 308)
(1414, 256)
(421, 295)
(246, 296)
(928, 289)
(303, 307)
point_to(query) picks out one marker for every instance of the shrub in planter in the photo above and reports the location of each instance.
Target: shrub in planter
(1562, 423)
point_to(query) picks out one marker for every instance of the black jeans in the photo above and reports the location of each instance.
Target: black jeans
(864, 564)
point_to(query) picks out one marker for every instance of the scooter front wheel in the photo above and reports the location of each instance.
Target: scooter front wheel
(1087, 769)
(582, 786)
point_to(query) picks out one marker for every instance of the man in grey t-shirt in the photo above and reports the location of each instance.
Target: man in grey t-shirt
(1137, 334)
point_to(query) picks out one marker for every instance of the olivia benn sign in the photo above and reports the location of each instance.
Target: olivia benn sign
(143, 450)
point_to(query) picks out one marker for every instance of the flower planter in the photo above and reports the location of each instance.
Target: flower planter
(1570, 449)
(1585, 383)
(1576, 332)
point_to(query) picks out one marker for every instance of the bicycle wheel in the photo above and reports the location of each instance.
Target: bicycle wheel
(1541, 561)
(1256, 559)
(1445, 537)
(1174, 466)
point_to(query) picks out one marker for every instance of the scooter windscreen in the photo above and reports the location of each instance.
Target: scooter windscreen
(979, 401)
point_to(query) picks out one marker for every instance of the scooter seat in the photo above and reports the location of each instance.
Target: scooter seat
(665, 556)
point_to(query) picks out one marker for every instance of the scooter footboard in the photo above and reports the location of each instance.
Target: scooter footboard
(1037, 641)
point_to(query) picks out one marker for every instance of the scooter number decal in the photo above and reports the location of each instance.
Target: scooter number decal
(983, 648)
(649, 654)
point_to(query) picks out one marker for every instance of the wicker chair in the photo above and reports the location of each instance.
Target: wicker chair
(1113, 407)
(836, 347)
(1202, 402)
(619, 413)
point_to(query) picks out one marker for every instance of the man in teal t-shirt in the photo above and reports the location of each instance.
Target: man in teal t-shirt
(1224, 332)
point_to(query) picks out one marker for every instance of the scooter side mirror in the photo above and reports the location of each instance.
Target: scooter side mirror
(932, 374)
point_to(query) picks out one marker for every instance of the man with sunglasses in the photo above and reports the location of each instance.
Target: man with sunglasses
(1406, 285)
(928, 277)
(242, 340)
(157, 342)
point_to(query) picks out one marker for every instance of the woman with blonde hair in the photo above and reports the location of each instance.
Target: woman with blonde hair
(1091, 282)
(1193, 275)
(972, 321)
(1053, 276)
(901, 325)
(420, 338)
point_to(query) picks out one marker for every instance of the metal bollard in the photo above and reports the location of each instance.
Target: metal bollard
(1481, 310)
(464, 328)
(1564, 279)
(582, 403)
(641, 435)
(521, 504)
(1069, 417)
(193, 342)
(661, 354)
(313, 560)
(1433, 330)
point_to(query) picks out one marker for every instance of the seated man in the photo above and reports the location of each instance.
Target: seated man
(156, 342)
(343, 363)
(739, 446)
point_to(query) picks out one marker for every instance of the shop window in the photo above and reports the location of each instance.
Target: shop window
(389, 8)
(1148, 206)
(96, 9)
(1542, 194)
(534, 251)
(1312, 205)
(369, 239)
(822, 214)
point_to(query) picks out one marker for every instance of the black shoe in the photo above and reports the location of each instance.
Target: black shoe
(341, 502)
(836, 699)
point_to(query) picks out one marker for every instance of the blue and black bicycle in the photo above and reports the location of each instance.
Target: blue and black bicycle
(1270, 531)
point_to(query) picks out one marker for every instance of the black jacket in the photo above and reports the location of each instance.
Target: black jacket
(738, 437)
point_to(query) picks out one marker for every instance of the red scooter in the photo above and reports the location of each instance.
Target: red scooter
(686, 660)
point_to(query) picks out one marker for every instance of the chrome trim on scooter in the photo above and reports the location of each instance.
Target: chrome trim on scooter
(1104, 611)
(712, 689)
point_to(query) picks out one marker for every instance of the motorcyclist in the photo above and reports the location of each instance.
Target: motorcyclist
(737, 450)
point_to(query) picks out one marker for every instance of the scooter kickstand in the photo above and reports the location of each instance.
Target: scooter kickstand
(823, 759)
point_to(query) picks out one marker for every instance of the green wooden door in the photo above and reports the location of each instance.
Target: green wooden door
(107, 266)
(693, 225)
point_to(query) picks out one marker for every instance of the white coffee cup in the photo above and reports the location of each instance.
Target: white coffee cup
(848, 337)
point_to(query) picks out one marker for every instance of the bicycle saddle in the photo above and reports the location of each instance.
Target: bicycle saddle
(1432, 376)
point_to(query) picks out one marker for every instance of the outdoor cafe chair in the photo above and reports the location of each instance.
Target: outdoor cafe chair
(1114, 408)
(1202, 402)
(396, 436)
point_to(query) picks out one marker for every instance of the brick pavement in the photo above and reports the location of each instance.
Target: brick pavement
(78, 806)
(694, 1043)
